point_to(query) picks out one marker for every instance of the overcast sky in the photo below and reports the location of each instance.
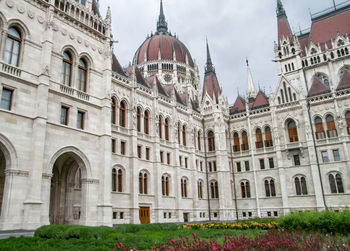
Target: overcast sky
(236, 30)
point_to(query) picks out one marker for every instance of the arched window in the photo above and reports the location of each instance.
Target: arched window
(211, 141)
(82, 75)
(319, 128)
(331, 131)
(114, 111)
(13, 47)
(166, 126)
(336, 183)
(268, 137)
(178, 133)
(199, 141)
(184, 135)
(138, 123)
(300, 185)
(165, 185)
(292, 131)
(200, 189)
(236, 144)
(143, 183)
(160, 124)
(347, 118)
(259, 140)
(214, 190)
(114, 180)
(270, 190)
(120, 181)
(117, 180)
(122, 114)
(245, 145)
(184, 188)
(146, 122)
(67, 68)
(245, 189)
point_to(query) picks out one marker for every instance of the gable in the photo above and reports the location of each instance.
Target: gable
(286, 92)
(318, 88)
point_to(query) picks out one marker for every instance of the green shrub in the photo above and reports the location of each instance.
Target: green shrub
(79, 232)
(51, 231)
(130, 228)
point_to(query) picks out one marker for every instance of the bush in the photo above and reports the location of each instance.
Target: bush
(51, 231)
(130, 228)
(79, 232)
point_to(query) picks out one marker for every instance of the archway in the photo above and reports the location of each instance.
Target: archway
(67, 190)
(2, 176)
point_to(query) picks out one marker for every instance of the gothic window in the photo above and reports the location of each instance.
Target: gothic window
(236, 144)
(166, 129)
(117, 180)
(122, 114)
(179, 133)
(245, 189)
(160, 124)
(214, 189)
(146, 122)
(165, 185)
(67, 68)
(340, 42)
(331, 130)
(82, 75)
(138, 119)
(268, 137)
(184, 141)
(244, 146)
(200, 189)
(300, 185)
(270, 190)
(259, 140)
(114, 111)
(13, 46)
(184, 188)
(292, 131)
(143, 182)
(347, 118)
(336, 183)
(211, 141)
(320, 134)
(199, 141)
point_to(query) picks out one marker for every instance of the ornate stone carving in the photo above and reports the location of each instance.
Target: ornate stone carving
(20, 9)
(31, 14)
(10, 3)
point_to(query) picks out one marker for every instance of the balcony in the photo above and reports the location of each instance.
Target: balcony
(10, 69)
(259, 144)
(73, 92)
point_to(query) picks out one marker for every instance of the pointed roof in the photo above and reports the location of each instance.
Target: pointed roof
(260, 101)
(284, 30)
(179, 99)
(251, 92)
(116, 67)
(209, 65)
(345, 81)
(140, 79)
(160, 88)
(238, 106)
(162, 25)
(280, 9)
(318, 88)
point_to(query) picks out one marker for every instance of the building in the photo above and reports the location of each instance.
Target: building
(84, 141)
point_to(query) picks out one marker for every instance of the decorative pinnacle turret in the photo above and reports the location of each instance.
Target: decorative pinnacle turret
(251, 92)
(280, 9)
(162, 25)
(209, 65)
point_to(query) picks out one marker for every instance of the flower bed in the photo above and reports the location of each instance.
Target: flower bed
(236, 225)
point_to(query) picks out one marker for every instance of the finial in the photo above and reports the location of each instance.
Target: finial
(247, 62)
(280, 9)
(162, 25)
(209, 65)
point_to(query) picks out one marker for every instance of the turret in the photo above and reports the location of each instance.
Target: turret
(251, 92)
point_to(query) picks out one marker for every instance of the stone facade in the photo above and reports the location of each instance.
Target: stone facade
(145, 144)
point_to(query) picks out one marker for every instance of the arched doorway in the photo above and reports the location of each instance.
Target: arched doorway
(2, 177)
(67, 190)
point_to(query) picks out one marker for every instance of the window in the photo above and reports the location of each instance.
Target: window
(160, 124)
(336, 183)
(268, 137)
(80, 120)
(270, 188)
(211, 141)
(214, 190)
(200, 189)
(146, 122)
(347, 118)
(275, 213)
(164, 215)
(13, 47)
(184, 142)
(180, 160)
(168, 158)
(300, 185)
(121, 215)
(138, 119)
(236, 146)
(271, 163)
(169, 215)
(296, 160)
(262, 164)
(64, 115)
(186, 162)
(143, 183)
(245, 189)
(147, 153)
(244, 145)
(122, 114)
(114, 146)
(258, 135)
(67, 69)
(122, 148)
(184, 188)
(336, 155)
(324, 156)
(139, 152)
(113, 111)
(214, 166)
(201, 166)
(292, 131)
(6, 99)
(199, 141)
(320, 134)
(165, 185)
(246, 164)
(166, 126)
(238, 165)
(117, 180)
(161, 156)
(210, 169)
(82, 75)
(114, 215)
(331, 131)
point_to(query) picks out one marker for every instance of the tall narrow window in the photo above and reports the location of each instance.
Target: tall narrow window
(178, 133)
(6, 99)
(120, 181)
(347, 118)
(140, 183)
(80, 120)
(319, 128)
(336, 155)
(67, 69)
(199, 141)
(270, 190)
(268, 137)
(184, 141)
(160, 126)
(167, 186)
(146, 122)
(292, 131)
(113, 111)
(259, 141)
(64, 115)
(114, 180)
(262, 164)
(122, 114)
(236, 144)
(82, 75)
(336, 183)
(300, 185)
(166, 129)
(245, 189)
(211, 141)
(163, 185)
(331, 130)
(138, 119)
(200, 190)
(245, 146)
(184, 188)
(13, 47)
(214, 190)
(324, 155)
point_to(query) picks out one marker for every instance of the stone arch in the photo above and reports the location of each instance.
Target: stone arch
(21, 26)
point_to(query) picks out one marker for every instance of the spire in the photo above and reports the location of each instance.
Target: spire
(251, 93)
(209, 65)
(280, 10)
(283, 27)
(162, 25)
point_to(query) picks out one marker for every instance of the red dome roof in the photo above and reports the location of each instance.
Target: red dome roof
(168, 46)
